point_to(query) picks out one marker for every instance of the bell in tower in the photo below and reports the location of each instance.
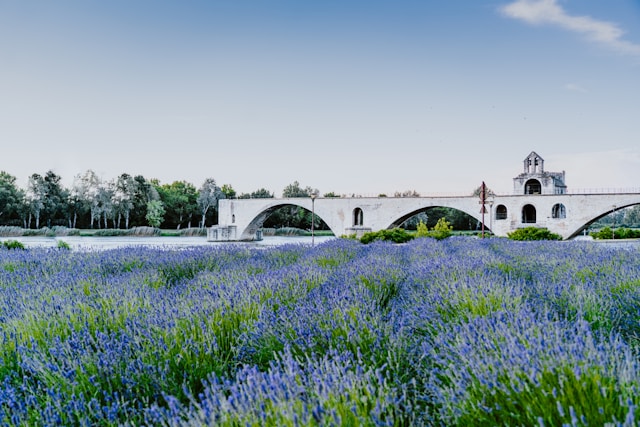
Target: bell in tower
(533, 164)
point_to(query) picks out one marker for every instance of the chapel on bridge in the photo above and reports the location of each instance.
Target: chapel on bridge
(535, 180)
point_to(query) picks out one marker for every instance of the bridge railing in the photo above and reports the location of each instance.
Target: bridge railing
(629, 190)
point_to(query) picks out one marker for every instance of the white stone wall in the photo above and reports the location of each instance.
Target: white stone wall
(381, 213)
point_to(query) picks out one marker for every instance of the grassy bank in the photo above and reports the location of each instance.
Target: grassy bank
(64, 231)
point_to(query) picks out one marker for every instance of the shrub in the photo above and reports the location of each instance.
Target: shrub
(10, 231)
(620, 233)
(605, 233)
(143, 231)
(44, 231)
(422, 230)
(533, 233)
(268, 231)
(63, 245)
(290, 231)
(109, 232)
(59, 230)
(193, 231)
(396, 235)
(440, 231)
(13, 244)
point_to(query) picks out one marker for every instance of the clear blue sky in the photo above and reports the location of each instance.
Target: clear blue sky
(362, 97)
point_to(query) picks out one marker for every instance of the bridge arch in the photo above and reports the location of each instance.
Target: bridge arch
(261, 216)
(404, 217)
(609, 211)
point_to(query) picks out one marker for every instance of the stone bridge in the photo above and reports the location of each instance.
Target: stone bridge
(565, 214)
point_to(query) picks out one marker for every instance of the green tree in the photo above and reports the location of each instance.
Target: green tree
(208, 197)
(155, 213)
(11, 198)
(180, 199)
(106, 207)
(56, 206)
(415, 220)
(632, 216)
(123, 198)
(294, 190)
(144, 192)
(261, 193)
(228, 191)
(35, 198)
(85, 191)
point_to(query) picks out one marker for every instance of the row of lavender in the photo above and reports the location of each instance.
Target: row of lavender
(452, 332)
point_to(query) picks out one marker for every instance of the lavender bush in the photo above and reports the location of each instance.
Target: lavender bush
(452, 332)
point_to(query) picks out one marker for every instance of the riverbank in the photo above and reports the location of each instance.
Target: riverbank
(170, 242)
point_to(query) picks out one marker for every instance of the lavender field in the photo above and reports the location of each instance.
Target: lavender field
(453, 332)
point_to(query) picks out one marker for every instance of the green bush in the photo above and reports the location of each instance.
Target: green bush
(63, 245)
(620, 233)
(605, 233)
(44, 231)
(396, 235)
(109, 232)
(13, 244)
(440, 231)
(533, 233)
(422, 230)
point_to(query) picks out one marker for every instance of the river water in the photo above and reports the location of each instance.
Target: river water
(102, 243)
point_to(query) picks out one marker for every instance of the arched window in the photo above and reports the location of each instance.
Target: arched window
(358, 219)
(532, 187)
(558, 211)
(233, 218)
(528, 214)
(501, 212)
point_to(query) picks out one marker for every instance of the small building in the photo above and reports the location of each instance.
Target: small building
(535, 180)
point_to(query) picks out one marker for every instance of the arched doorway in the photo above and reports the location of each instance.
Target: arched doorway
(528, 214)
(532, 186)
(358, 217)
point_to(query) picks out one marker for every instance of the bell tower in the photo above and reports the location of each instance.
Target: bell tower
(533, 164)
(534, 179)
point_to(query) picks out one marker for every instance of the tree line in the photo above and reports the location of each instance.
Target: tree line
(130, 201)
(124, 202)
